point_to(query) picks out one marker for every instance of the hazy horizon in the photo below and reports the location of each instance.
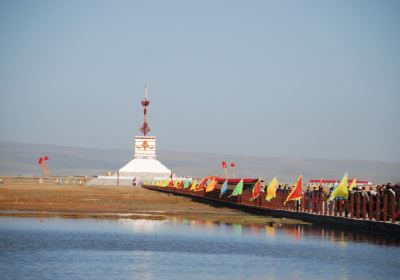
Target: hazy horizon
(21, 159)
(292, 79)
(131, 151)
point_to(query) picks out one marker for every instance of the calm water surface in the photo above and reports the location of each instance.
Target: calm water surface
(54, 248)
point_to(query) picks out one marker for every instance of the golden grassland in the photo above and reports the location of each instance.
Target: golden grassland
(25, 197)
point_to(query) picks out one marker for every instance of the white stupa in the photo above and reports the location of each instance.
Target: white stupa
(144, 165)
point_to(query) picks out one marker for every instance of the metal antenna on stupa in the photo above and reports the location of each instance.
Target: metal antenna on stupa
(145, 127)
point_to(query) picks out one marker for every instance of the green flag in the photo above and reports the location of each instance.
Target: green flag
(239, 189)
(187, 183)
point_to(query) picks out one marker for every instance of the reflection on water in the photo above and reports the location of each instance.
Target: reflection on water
(179, 248)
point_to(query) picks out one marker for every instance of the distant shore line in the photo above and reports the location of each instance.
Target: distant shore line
(82, 215)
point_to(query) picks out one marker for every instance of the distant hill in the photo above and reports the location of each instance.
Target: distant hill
(21, 159)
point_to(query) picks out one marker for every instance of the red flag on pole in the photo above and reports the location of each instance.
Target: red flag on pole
(233, 165)
(297, 192)
(224, 166)
(256, 190)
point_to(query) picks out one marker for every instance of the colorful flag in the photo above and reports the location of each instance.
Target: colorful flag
(256, 190)
(238, 190)
(200, 187)
(341, 191)
(210, 187)
(353, 184)
(297, 192)
(194, 185)
(271, 191)
(187, 183)
(180, 185)
(224, 188)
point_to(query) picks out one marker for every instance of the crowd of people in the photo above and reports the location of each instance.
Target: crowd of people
(360, 194)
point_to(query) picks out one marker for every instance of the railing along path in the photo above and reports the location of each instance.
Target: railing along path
(359, 206)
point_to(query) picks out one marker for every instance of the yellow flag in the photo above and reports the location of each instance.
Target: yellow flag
(194, 185)
(341, 191)
(211, 186)
(353, 184)
(271, 191)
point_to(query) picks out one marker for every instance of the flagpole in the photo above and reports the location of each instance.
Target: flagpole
(233, 165)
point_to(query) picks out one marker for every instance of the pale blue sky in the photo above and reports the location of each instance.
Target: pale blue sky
(303, 79)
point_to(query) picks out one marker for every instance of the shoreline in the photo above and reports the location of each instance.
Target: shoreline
(24, 197)
(158, 216)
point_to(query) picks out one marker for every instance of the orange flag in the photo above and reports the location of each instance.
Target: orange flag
(210, 187)
(180, 185)
(297, 192)
(200, 187)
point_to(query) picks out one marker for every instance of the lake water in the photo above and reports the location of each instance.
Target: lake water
(32, 248)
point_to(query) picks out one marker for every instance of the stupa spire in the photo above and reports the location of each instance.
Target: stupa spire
(145, 128)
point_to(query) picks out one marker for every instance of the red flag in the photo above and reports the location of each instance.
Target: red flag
(224, 166)
(180, 186)
(297, 192)
(233, 165)
(256, 190)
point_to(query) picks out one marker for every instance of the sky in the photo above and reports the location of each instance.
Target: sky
(294, 79)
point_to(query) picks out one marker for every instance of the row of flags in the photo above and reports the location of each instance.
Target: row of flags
(210, 183)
